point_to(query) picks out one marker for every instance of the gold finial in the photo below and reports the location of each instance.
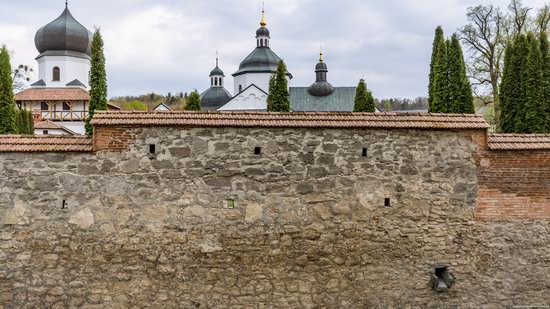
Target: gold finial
(262, 22)
(321, 54)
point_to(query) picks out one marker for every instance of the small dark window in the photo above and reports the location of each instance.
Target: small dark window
(152, 148)
(258, 151)
(66, 106)
(387, 202)
(365, 152)
(240, 88)
(45, 132)
(44, 106)
(56, 74)
(64, 205)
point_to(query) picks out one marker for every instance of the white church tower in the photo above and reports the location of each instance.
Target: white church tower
(64, 46)
(252, 79)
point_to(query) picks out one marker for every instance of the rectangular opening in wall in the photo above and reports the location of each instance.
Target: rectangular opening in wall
(64, 204)
(365, 152)
(230, 204)
(152, 148)
(387, 202)
(258, 151)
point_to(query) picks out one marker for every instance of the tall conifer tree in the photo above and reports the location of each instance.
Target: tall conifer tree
(461, 99)
(440, 85)
(8, 117)
(193, 102)
(438, 39)
(364, 100)
(545, 54)
(534, 121)
(98, 80)
(279, 100)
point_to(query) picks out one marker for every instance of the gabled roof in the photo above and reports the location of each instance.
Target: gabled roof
(39, 83)
(243, 91)
(162, 104)
(519, 141)
(49, 125)
(45, 143)
(53, 94)
(303, 120)
(76, 83)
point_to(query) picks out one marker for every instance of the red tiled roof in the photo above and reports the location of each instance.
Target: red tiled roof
(299, 119)
(53, 94)
(519, 141)
(46, 143)
(45, 125)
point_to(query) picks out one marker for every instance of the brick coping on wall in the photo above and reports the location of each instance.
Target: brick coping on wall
(425, 121)
(291, 120)
(45, 143)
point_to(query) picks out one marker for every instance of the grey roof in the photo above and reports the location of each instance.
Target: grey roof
(214, 98)
(40, 83)
(341, 100)
(64, 33)
(217, 71)
(321, 89)
(76, 83)
(261, 60)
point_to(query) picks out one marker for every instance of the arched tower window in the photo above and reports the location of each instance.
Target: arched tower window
(56, 74)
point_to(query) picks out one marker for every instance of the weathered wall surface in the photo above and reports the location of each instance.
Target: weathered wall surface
(310, 228)
(514, 184)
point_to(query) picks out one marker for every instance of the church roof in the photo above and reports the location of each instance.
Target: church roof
(341, 100)
(49, 125)
(214, 98)
(53, 94)
(261, 60)
(65, 33)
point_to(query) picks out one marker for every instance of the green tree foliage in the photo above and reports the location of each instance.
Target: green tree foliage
(439, 96)
(193, 102)
(364, 101)
(135, 105)
(98, 80)
(438, 39)
(278, 99)
(30, 121)
(545, 54)
(24, 122)
(534, 121)
(523, 90)
(461, 100)
(8, 117)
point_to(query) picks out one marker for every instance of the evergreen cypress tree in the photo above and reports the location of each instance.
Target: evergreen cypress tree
(8, 117)
(193, 102)
(438, 39)
(30, 120)
(364, 101)
(505, 90)
(461, 100)
(279, 100)
(19, 121)
(440, 85)
(98, 80)
(271, 94)
(534, 109)
(545, 54)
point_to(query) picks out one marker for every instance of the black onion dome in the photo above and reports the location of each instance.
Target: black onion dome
(64, 34)
(321, 66)
(217, 71)
(214, 98)
(263, 31)
(261, 60)
(321, 89)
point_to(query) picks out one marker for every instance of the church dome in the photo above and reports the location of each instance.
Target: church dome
(263, 31)
(214, 98)
(217, 71)
(64, 34)
(321, 89)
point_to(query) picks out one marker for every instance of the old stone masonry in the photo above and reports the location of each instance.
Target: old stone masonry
(258, 210)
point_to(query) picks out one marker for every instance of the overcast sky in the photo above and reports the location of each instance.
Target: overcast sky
(170, 45)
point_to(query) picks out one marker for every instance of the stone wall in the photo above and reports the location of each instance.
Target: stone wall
(311, 227)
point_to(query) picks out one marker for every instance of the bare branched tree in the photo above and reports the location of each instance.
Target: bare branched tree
(21, 77)
(485, 36)
(519, 15)
(543, 18)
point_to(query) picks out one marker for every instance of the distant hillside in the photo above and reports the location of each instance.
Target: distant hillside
(150, 101)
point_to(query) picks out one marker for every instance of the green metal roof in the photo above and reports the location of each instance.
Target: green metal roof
(341, 100)
(261, 60)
